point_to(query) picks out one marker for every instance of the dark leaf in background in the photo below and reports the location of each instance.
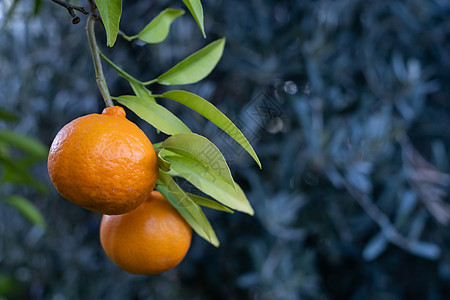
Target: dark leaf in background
(345, 206)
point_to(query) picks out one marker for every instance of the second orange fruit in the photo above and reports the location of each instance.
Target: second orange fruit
(151, 239)
(103, 162)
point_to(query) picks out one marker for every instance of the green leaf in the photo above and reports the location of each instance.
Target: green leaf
(157, 145)
(138, 88)
(15, 169)
(119, 70)
(141, 91)
(195, 67)
(7, 116)
(196, 9)
(199, 148)
(27, 209)
(163, 164)
(209, 203)
(16, 172)
(208, 181)
(210, 112)
(110, 12)
(190, 211)
(37, 7)
(29, 145)
(9, 286)
(157, 30)
(157, 115)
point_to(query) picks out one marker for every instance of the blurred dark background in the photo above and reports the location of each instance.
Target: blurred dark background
(346, 103)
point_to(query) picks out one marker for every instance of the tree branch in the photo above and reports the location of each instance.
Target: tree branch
(100, 77)
(71, 8)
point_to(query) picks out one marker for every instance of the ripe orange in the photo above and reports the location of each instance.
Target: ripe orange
(151, 239)
(103, 163)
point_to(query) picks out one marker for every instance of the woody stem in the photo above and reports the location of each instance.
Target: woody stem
(99, 76)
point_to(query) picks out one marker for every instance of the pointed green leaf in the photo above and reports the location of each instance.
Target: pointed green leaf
(190, 211)
(157, 30)
(209, 203)
(27, 209)
(157, 145)
(17, 172)
(37, 7)
(157, 115)
(210, 112)
(29, 145)
(7, 116)
(110, 12)
(119, 70)
(163, 164)
(141, 91)
(208, 181)
(196, 9)
(200, 148)
(138, 88)
(195, 67)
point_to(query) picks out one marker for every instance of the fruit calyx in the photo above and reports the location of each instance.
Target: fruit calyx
(114, 111)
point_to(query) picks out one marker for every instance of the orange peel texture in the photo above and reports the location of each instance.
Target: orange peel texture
(103, 162)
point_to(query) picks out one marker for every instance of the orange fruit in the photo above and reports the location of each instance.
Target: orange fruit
(151, 239)
(103, 162)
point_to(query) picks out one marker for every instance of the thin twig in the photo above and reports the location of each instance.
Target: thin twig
(100, 77)
(70, 8)
(93, 16)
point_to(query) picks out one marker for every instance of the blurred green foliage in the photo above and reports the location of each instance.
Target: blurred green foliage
(18, 153)
(347, 105)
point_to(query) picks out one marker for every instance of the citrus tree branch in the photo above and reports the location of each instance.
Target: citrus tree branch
(99, 76)
(71, 8)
